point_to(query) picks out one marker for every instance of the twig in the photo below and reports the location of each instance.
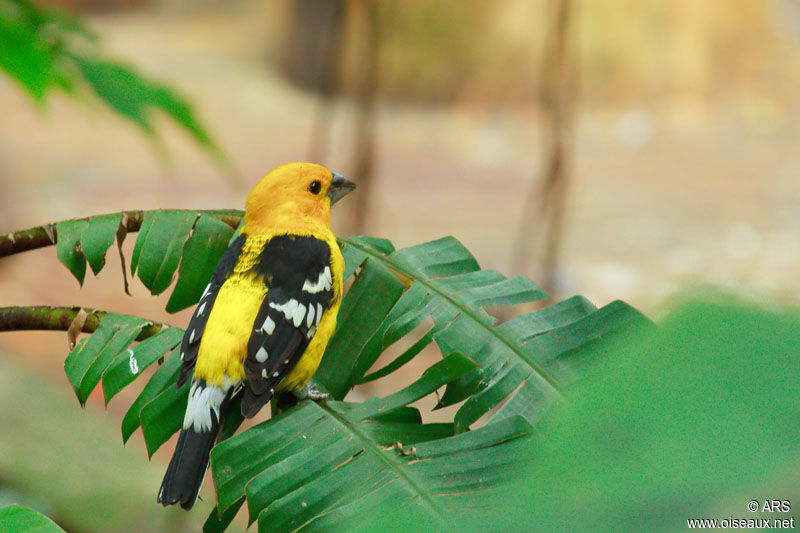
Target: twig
(48, 318)
(46, 235)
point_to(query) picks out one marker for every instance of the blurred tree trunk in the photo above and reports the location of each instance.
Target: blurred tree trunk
(311, 59)
(543, 213)
(364, 157)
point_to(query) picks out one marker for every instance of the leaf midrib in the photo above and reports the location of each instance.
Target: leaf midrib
(376, 450)
(464, 310)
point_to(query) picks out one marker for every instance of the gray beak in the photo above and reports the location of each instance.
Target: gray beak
(340, 187)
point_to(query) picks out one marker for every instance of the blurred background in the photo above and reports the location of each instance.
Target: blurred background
(617, 149)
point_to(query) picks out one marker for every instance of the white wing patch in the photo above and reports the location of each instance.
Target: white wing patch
(288, 309)
(294, 311)
(299, 315)
(205, 292)
(310, 317)
(323, 283)
(203, 399)
(262, 355)
(268, 326)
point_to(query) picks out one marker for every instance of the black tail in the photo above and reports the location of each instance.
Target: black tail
(187, 468)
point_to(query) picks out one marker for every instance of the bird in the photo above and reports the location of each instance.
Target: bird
(265, 318)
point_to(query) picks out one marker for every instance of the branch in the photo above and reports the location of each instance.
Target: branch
(47, 318)
(46, 235)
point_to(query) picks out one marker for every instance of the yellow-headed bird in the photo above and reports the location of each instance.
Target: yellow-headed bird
(265, 317)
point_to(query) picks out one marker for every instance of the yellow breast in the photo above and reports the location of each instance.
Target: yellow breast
(223, 345)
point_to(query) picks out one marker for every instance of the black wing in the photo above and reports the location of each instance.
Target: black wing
(191, 338)
(298, 273)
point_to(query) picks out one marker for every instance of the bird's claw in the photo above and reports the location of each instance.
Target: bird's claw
(311, 392)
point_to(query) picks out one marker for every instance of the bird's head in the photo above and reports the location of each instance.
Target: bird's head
(292, 194)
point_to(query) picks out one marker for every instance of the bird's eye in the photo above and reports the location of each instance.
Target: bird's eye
(315, 187)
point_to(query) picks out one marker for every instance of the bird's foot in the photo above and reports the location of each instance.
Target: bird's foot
(311, 392)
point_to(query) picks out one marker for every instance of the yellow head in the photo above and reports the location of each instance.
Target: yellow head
(294, 196)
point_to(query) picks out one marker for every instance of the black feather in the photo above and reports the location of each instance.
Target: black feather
(187, 468)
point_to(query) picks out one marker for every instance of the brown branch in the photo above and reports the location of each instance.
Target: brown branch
(46, 235)
(47, 318)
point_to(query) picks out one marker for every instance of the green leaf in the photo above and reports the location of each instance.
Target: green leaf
(21, 519)
(201, 253)
(163, 416)
(401, 359)
(216, 523)
(43, 49)
(447, 284)
(560, 351)
(86, 363)
(164, 377)
(159, 247)
(130, 363)
(25, 57)
(369, 299)
(405, 414)
(135, 97)
(462, 388)
(309, 444)
(448, 369)
(355, 255)
(690, 419)
(68, 246)
(317, 489)
(242, 463)
(98, 237)
(388, 433)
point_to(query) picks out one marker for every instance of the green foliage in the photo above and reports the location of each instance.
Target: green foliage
(693, 419)
(44, 49)
(68, 247)
(129, 363)
(194, 241)
(163, 379)
(689, 420)
(328, 446)
(87, 362)
(318, 466)
(22, 519)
